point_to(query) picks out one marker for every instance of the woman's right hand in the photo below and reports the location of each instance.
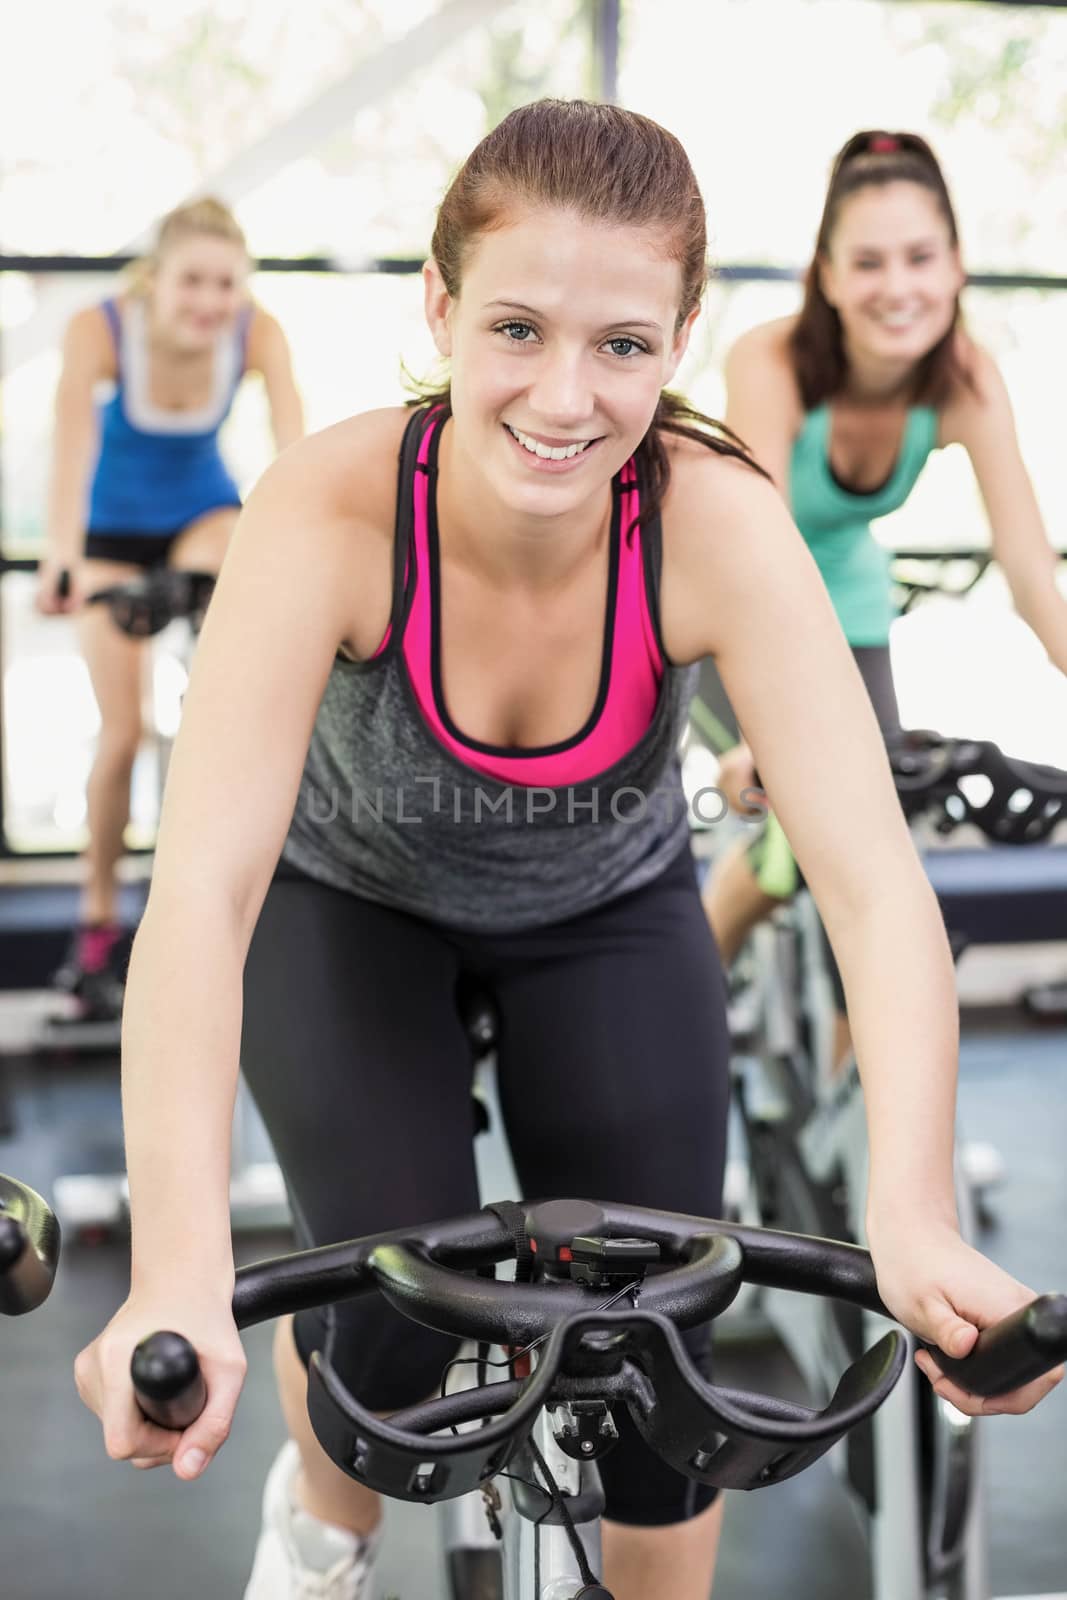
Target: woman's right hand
(737, 778)
(60, 586)
(102, 1374)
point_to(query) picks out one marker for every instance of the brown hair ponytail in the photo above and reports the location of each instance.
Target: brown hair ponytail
(870, 159)
(605, 164)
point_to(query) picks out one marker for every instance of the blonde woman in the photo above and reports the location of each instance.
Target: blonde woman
(139, 483)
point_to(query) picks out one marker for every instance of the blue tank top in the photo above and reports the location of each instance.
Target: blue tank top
(836, 522)
(159, 470)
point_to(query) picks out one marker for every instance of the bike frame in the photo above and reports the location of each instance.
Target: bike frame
(538, 1559)
(534, 1558)
(925, 1528)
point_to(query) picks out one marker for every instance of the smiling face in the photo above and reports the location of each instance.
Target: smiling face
(562, 336)
(198, 287)
(892, 272)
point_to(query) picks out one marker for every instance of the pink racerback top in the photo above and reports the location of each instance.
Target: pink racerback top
(631, 669)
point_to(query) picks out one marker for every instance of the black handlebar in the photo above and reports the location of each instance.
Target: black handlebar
(596, 1350)
(167, 1380)
(952, 572)
(917, 573)
(1014, 801)
(146, 604)
(1015, 1351)
(29, 1248)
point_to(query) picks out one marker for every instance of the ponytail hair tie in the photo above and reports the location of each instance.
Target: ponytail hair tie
(884, 144)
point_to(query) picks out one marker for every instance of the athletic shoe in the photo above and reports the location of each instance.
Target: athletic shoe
(299, 1557)
(93, 970)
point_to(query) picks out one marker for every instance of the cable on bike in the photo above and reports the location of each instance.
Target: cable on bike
(558, 1501)
(513, 1356)
(717, 1436)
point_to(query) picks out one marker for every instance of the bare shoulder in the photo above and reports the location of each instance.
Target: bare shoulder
(324, 513)
(763, 399)
(263, 330)
(718, 512)
(266, 339)
(766, 346)
(707, 492)
(979, 395)
(88, 343)
(349, 468)
(728, 538)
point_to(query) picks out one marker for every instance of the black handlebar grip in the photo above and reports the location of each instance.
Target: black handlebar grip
(24, 1280)
(167, 1380)
(29, 1248)
(1023, 1347)
(63, 584)
(12, 1241)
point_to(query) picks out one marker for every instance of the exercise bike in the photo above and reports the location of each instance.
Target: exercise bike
(591, 1323)
(913, 1471)
(93, 1204)
(140, 607)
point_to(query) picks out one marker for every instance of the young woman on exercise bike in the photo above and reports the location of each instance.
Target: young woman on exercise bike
(491, 652)
(142, 484)
(842, 404)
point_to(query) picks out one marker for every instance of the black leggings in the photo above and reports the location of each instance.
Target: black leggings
(612, 1075)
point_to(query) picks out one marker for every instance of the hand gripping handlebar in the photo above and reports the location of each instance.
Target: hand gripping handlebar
(594, 1352)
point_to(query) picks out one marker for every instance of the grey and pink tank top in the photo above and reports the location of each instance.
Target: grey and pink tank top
(398, 805)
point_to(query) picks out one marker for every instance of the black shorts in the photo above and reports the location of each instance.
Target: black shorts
(138, 549)
(145, 550)
(612, 1075)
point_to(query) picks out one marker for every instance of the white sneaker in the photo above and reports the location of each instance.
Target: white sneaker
(298, 1557)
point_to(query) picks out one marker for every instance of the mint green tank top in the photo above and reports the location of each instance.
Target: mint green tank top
(836, 523)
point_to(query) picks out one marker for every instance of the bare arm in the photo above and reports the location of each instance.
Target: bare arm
(263, 659)
(261, 665)
(763, 408)
(762, 399)
(794, 685)
(983, 423)
(86, 359)
(268, 353)
(791, 677)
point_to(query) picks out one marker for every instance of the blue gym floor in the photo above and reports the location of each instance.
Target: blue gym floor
(72, 1524)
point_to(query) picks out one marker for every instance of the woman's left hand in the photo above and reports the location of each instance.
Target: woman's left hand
(946, 1292)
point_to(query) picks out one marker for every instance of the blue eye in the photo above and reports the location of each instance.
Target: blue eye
(513, 330)
(633, 348)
